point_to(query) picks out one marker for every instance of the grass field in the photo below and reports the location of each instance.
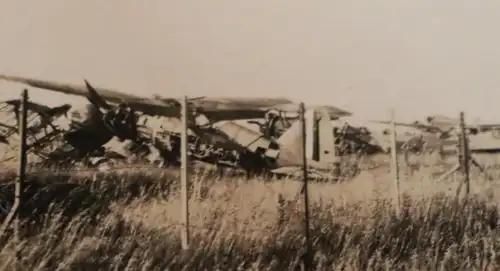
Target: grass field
(257, 225)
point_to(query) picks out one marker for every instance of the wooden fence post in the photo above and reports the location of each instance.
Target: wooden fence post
(14, 211)
(184, 174)
(394, 161)
(464, 154)
(305, 190)
(21, 171)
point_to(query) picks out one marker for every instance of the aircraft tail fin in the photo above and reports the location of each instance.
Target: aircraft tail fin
(290, 143)
(320, 147)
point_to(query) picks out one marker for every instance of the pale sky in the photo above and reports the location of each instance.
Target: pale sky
(421, 57)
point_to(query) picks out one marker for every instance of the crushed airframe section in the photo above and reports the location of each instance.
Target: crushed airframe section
(119, 129)
(41, 132)
(438, 133)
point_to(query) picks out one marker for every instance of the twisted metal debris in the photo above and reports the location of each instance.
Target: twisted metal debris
(119, 129)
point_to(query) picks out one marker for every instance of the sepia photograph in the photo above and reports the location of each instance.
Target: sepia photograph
(249, 135)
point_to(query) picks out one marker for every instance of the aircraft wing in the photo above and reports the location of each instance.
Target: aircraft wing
(419, 126)
(147, 106)
(484, 142)
(486, 127)
(215, 108)
(35, 107)
(250, 108)
(444, 121)
(236, 108)
(333, 111)
(78, 90)
(227, 103)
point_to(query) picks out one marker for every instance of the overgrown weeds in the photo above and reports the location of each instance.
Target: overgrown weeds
(257, 225)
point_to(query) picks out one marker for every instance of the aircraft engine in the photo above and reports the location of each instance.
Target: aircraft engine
(123, 121)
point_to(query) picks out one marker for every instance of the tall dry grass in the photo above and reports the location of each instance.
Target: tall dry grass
(257, 225)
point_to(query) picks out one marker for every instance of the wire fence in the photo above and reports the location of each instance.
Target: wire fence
(465, 160)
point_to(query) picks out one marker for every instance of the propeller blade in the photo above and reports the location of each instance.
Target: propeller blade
(95, 98)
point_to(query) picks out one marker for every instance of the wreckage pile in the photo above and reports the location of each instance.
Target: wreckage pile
(117, 130)
(146, 131)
